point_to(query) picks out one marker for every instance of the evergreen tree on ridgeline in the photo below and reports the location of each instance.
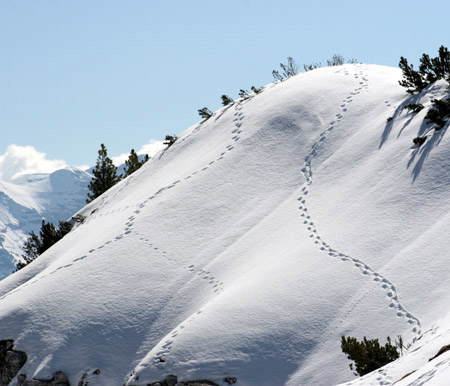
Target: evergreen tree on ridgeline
(105, 175)
(170, 140)
(133, 163)
(430, 70)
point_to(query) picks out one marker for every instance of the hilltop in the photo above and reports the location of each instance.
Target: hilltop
(249, 247)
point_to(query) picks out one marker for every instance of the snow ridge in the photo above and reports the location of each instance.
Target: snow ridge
(392, 295)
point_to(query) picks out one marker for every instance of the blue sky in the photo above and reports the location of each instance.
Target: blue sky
(77, 73)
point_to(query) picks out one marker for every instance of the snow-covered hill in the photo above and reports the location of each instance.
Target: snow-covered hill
(29, 198)
(252, 244)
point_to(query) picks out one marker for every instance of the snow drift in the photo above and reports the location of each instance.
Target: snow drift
(252, 244)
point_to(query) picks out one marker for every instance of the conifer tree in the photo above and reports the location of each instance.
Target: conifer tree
(170, 140)
(205, 113)
(133, 163)
(105, 175)
(368, 354)
(243, 93)
(36, 245)
(256, 90)
(226, 100)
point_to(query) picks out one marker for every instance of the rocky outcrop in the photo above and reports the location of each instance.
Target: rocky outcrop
(172, 380)
(11, 361)
(203, 382)
(59, 379)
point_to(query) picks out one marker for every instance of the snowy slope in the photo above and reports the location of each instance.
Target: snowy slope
(252, 244)
(27, 199)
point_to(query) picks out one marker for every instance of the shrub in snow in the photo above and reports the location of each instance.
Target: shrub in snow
(415, 108)
(277, 76)
(170, 140)
(79, 218)
(226, 100)
(419, 141)
(368, 354)
(132, 163)
(243, 93)
(105, 175)
(336, 60)
(312, 66)
(440, 113)
(205, 113)
(256, 90)
(289, 69)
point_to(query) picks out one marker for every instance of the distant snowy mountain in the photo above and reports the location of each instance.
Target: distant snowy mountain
(28, 199)
(248, 248)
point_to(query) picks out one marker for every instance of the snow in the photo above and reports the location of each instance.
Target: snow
(27, 199)
(250, 246)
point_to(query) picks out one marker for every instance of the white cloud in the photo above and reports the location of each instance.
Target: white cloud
(150, 148)
(19, 160)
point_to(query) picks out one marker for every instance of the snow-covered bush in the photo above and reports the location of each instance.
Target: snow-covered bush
(205, 113)
(226, 100)
(419, 141)
(368, 354)
(243, 93)
(415, 108)
(289, 69)
(336, 60)
(312, 66)
(170, 140)
(256, 90)
(439, 113)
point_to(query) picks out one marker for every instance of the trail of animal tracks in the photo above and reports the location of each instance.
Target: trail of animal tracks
(391, 292)
(248, 247)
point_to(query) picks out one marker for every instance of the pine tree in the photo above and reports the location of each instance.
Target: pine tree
(243, 94)
(48, 235)
(226, 100)
(256, 90)
(105, 175)
(205, 113)
(368, 354)
(133, 163)
(170, 140)
(36, 245)
(412, 79)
